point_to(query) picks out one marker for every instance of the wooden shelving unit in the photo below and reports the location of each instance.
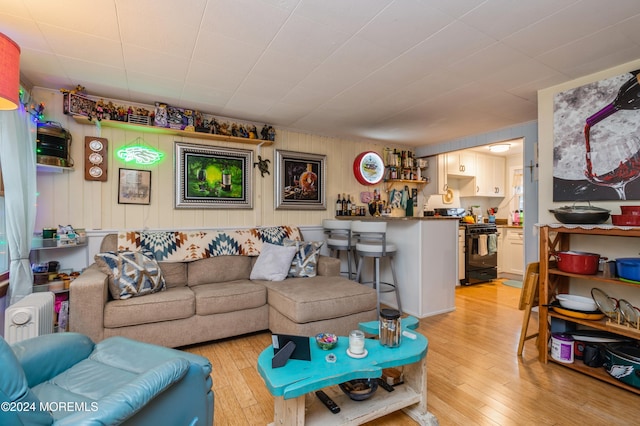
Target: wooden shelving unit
(554, 281)
(164, 131)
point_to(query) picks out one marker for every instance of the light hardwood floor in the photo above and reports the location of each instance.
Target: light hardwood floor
(474, 374)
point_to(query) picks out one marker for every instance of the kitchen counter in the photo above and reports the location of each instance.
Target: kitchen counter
(426, 262)
(391, 218)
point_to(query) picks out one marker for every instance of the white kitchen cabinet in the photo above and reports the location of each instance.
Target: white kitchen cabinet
(513, 251)
(502, 234)
(490, 175)
(437, 174)
(461, 249)
(489, 178)
(461, 164)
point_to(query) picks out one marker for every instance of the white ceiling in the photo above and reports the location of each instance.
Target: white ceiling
(409, 71)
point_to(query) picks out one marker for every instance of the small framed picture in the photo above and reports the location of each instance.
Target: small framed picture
(299, 181)
(134, 186)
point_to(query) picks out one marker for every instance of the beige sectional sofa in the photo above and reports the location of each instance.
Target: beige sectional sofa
(213, 298)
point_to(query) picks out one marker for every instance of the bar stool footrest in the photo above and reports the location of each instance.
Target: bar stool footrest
(384, 287)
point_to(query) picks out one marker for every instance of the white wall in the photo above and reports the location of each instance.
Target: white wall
(606, 246)
(545, 135)
(66, 198)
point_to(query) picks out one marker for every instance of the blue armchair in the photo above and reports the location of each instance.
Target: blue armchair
(66, 379)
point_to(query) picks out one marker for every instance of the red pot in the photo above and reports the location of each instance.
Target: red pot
(578, 262)
(630, 210)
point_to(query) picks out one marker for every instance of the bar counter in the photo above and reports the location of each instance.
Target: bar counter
(426, 262)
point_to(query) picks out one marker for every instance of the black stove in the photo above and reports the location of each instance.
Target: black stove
(480, 228)
(481, 253)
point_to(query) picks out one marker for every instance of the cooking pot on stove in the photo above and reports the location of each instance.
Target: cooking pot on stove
(449, 212)
(581, 214)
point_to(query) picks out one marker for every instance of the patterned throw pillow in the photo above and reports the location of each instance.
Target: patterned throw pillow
(131, 273)
(305, 262)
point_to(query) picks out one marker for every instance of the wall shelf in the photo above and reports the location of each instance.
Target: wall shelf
(419, 182)
(46, 168)
(164, 131)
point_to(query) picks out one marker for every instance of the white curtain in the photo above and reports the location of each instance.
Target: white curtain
(18, 162)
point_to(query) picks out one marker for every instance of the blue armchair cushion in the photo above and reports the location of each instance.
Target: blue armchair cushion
(15, 390)
(117, 381)
(131, 273)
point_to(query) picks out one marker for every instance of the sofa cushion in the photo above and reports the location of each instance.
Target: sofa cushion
(229, 296)
(219, 269)
(305, 261)
(131, 273)
(174, 303)
(175, 273)
(273, 263)
(304, 300)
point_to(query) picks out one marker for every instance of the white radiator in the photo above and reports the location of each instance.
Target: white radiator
(29, 317)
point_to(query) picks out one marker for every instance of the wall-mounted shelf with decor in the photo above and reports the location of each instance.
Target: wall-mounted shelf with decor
(165, 131)
(46, 168)
(391, 182)
(418, 182)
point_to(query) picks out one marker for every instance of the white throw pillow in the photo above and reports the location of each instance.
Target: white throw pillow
(273, 263)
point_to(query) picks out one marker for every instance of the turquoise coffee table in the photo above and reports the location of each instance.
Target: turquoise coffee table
(294, 384)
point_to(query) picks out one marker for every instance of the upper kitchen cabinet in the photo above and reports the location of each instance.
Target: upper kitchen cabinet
(489, 179)
(490, 176)
(461, 164)
(437, 175)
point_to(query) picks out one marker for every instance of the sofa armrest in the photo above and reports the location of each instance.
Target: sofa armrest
(44, 357)
(328, 266)
(88, 295)
(128, 400)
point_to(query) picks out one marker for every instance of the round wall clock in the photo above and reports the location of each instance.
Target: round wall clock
(95, 158)
(368, 168)
(95, 145)
(95, 171)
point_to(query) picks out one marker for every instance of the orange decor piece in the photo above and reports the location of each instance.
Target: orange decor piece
(9, 73)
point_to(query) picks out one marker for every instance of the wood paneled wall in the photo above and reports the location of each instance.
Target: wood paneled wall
(66, 198)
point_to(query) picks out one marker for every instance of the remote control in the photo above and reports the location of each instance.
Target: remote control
(328, 402)
(384, 385)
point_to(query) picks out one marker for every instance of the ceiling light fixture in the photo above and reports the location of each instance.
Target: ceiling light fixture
(501, 147)
(9, 73)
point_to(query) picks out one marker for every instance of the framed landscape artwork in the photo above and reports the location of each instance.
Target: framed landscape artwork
(300, 181)
(212, 177)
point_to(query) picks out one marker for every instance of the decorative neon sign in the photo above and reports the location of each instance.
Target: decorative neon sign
(140, 154)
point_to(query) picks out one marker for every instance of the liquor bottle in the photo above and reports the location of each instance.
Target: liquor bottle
(339, 206)
(628, 97)
(348, 205)
(226, 179)
(308, 180)
(344, 204)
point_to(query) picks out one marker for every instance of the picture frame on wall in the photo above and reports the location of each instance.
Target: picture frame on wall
(300, 181)
(213, 177)
(134, 186)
